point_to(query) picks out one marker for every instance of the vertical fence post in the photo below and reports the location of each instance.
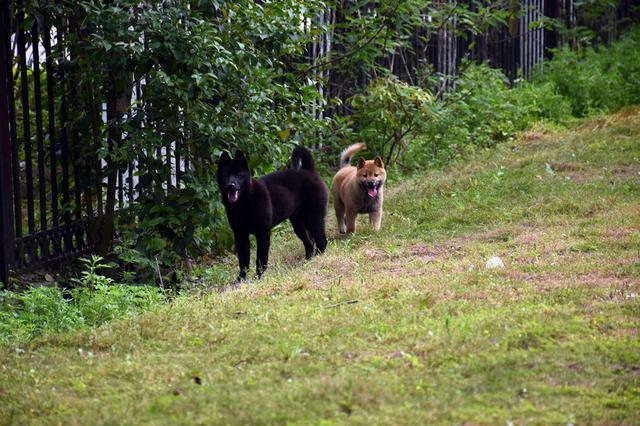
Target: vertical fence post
(7, 253)
(551, 11)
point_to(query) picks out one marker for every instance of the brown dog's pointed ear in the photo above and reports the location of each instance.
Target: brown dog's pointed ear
(241, 159)
(361, 163)
(224, 159)
(379, 163)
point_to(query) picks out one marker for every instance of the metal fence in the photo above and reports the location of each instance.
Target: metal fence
(52, 182)
(38, 220)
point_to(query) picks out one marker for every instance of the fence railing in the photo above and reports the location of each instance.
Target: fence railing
(52, 181)
(39, 221)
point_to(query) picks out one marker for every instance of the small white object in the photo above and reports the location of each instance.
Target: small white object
(494, 263)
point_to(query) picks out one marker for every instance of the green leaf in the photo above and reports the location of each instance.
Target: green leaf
(284, 133)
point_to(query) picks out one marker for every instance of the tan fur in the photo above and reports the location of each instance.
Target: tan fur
(345, 157)
(350, 196)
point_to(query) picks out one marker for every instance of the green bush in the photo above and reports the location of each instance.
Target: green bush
(94, 301)
(217, 76)
(536, 101)
(478, 112)
(597, 79)
(34, 311)
(390, 114)
(483, 110)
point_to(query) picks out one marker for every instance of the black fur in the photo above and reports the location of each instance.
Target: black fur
(254, 206)
(301, 158)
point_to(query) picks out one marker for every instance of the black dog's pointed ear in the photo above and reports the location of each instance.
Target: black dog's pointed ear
(361, 163)
(224, 159)
(241, 159)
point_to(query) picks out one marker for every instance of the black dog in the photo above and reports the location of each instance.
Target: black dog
(254, 206)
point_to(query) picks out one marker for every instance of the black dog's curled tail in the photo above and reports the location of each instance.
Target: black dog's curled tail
(301, 159)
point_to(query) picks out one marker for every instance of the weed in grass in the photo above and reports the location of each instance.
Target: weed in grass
(96, 300)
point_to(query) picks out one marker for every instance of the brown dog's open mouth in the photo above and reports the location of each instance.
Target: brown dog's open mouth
(232, 196)
(372, 192)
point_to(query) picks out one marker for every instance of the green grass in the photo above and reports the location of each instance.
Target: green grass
(405, 326)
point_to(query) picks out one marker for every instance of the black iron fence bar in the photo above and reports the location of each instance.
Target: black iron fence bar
(130, 170)
(64, 143)
(167, 151)
(139, 111)
(90, 213)
(81, 169)
(120, 188)
(532, 36)
(177, 160)
(524, 63)
(51, 113)
(97, 114)
(99, 198)
(26, 120)
(77, 163)
(15, 159)
(186, 162)
(7, 237)
(37, 93)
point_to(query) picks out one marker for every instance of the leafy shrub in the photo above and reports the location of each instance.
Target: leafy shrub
(482, 110)
(186, 222)
(597, 79)
(536, 101)
(95, 301)
(390, 114)
(478, 112)
(34, 311)
(215, 77)
(481, 103)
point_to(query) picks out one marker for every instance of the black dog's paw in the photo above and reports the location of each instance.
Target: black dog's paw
(234, 285)
(229, 287)
(260, 272)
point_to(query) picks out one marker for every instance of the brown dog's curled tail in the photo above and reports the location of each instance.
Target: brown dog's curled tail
(345, 157)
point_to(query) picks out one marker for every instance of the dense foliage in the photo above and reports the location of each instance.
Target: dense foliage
(209, 77)
(597, 78)
(483, 109)
(391, 114)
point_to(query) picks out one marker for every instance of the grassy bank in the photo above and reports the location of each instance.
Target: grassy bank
(401, 327)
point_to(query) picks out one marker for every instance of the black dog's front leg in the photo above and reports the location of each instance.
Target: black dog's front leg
(263, 241)
(242, 247)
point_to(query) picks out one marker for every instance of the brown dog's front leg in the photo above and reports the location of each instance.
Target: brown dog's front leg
(351, 221)
(375, 218)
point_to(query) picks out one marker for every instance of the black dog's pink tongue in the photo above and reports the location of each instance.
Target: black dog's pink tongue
(232, 196)
(372, 192)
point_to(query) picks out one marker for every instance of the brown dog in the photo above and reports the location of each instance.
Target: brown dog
(358, 190)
